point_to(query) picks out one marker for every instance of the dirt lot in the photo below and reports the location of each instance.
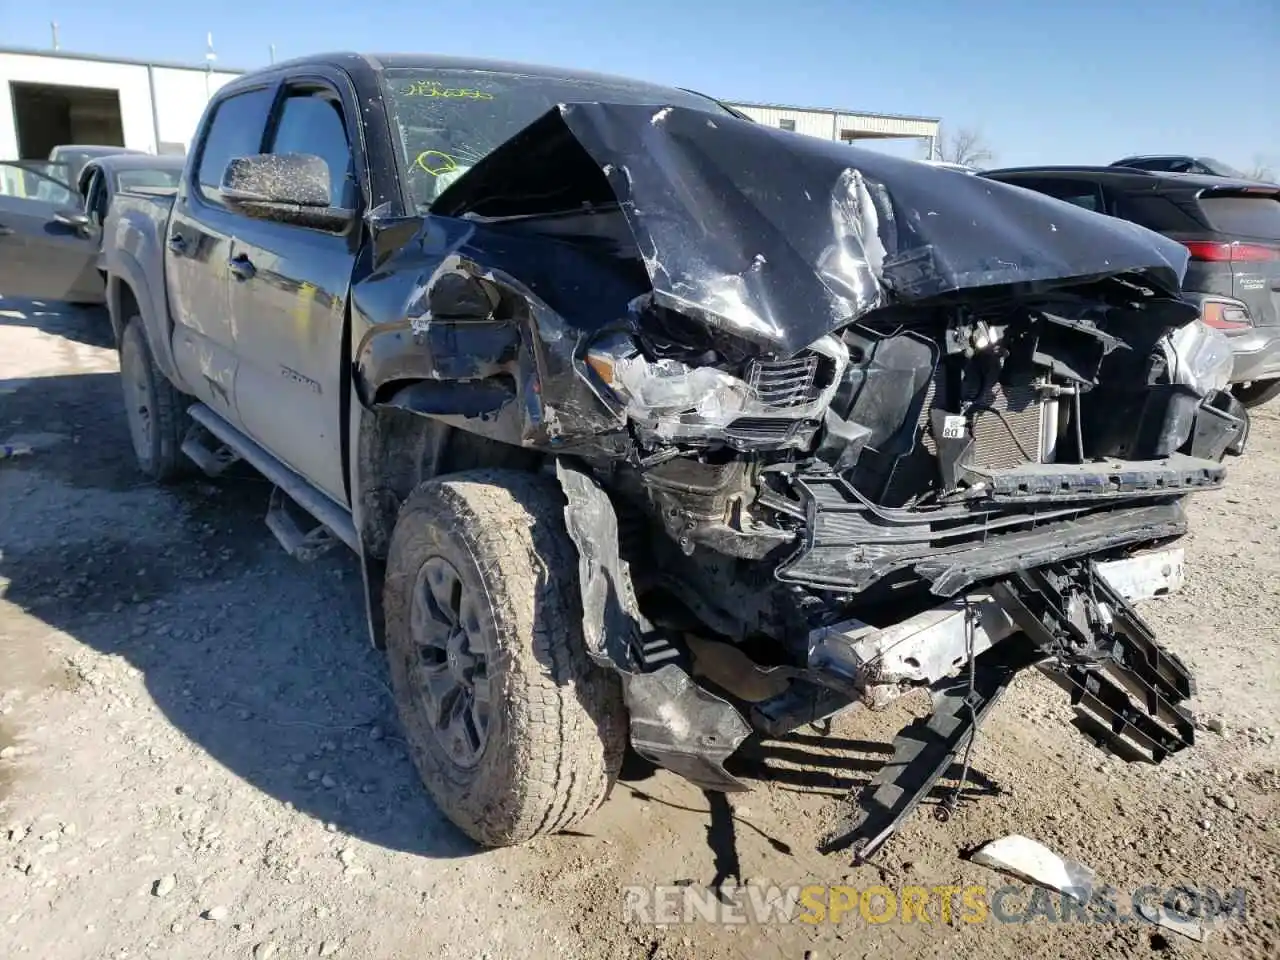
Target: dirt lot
(199, 755)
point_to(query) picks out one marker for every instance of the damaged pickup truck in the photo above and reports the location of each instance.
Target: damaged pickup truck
(652, 426)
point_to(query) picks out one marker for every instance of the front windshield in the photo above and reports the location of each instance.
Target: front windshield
(76, 160)
(1219, 169)
(449, 120)
(147, 179)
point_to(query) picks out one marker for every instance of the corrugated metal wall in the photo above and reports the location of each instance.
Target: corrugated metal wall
(809, 122)
(833, 125)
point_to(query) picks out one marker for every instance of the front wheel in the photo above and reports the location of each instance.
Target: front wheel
(515, 731)
(1258, 392)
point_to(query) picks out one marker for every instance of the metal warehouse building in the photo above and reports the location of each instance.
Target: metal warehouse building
(52, 97)
(48, 98)
(846, 126)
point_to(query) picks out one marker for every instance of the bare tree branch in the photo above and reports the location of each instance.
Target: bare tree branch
(965, 145)
(1262, 169)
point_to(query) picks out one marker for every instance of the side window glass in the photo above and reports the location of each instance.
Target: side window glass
(1154, 212)
(1080, 194)
(235, 131)
(26, 185)
(312, 123)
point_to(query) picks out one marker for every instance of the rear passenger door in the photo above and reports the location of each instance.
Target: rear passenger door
(199, 242)
(289, 295)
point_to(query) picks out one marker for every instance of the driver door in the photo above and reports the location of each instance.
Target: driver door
(47, 251)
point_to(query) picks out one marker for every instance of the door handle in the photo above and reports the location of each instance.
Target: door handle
(241, 267)
(177, 243)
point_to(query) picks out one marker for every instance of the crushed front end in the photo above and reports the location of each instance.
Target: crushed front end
(937, 498)
(859, 427)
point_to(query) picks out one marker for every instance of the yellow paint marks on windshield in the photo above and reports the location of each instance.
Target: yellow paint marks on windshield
(435, 163)
(429, 88)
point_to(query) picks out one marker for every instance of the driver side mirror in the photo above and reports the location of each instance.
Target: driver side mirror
(287, 187)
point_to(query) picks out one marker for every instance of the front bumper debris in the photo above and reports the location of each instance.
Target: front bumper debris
(850, 544)
(922, 650)
(1076, 626)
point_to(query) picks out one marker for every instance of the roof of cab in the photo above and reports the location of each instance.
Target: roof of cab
(1155, 178)
(138, 161)
(425, 61)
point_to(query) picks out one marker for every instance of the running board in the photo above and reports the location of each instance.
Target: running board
(213, 458)
(301, 536)
(334, 517)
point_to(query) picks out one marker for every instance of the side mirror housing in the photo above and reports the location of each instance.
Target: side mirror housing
(288, 187)
(77, 219)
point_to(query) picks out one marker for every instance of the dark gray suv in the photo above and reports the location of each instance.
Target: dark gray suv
(1231, 227)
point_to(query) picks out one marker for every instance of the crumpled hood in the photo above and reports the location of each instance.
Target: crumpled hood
(781, 238)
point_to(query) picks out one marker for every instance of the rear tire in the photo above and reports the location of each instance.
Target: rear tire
(1257, 393)
(156, 411)
(515, 731)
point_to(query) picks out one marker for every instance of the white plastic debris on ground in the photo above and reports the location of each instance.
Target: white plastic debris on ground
(1035, 862)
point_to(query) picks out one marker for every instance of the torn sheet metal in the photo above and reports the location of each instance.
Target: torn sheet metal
(1031, 860)
(781, 239)
(675, 723)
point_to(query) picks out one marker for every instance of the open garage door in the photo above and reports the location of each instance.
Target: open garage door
(47, 115)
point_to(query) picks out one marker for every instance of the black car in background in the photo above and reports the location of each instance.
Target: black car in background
(1179, 163)
(1230, 226)
(73, 157)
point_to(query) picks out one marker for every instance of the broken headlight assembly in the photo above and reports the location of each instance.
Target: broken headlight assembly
(1199, 357)
(761, 403)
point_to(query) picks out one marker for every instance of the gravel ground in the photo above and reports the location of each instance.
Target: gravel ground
(199, 755)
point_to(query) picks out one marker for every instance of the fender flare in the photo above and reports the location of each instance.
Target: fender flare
(126, 271)
(675, 722)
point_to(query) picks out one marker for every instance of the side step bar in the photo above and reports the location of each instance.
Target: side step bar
(329, 514)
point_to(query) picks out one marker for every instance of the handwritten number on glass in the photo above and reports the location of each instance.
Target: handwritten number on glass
(429, 88)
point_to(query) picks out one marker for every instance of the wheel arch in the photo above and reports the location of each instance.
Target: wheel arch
(394, 451)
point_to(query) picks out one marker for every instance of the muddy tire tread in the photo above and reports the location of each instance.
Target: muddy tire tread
(171, 421)
(563, 723)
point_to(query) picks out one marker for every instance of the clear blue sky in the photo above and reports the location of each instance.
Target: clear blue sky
(1046, 81)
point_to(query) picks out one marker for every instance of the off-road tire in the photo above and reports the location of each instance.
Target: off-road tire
(557, 727)
(1258, 392)
(149, 396)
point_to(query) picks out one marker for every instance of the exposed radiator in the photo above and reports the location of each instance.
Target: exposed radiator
(1011, 432)
(1009, 427)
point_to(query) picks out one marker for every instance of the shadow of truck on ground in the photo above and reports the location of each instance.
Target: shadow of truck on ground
(261, 661)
